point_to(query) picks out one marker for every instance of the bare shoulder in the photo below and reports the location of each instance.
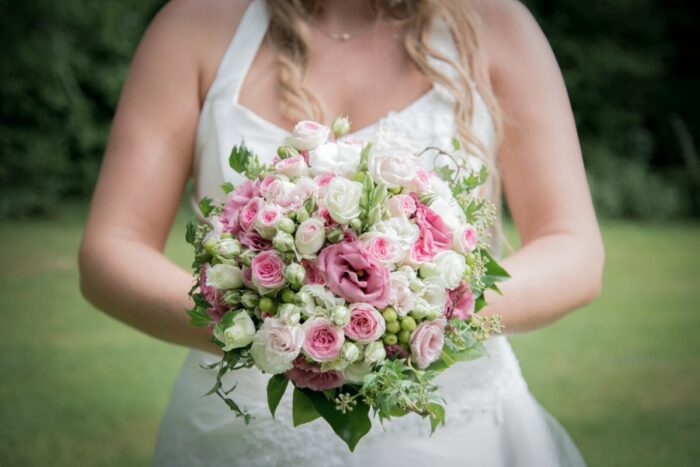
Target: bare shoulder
(198, 31)
(508, 31)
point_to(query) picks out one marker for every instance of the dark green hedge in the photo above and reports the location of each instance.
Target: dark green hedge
(630, 68)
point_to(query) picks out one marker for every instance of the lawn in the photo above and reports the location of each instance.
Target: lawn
(622, 375)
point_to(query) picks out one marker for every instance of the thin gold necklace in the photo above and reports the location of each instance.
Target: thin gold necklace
(340, 36)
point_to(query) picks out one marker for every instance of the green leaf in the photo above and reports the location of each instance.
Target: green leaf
(437, 416)
(445, 172)
(227, 187)
(350, 426)
(303, 410)
(199, 316)
(238, 160)
(205, 206)
(456, 145)
(191, 232)
(275, 390)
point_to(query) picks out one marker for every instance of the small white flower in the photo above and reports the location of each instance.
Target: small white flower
(343, 199)
(340, 158)
(224, 276)
(451, 266)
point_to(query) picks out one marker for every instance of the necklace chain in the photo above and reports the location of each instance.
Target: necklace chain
(340, 36)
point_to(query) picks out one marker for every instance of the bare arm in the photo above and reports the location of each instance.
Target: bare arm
(559, 266)
(146, 166)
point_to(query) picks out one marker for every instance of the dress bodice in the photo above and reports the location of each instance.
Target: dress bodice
(224, 122)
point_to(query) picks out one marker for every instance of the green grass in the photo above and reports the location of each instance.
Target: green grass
(78, 388)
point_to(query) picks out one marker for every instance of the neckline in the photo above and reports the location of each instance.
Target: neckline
(371, 126)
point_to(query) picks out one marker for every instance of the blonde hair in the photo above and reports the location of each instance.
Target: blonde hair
(289, 32)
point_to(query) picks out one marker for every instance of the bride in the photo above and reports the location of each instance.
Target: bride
(210, 71)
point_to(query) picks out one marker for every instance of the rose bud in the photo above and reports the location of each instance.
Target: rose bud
(295, 273)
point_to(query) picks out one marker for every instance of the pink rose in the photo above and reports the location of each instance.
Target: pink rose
(249, 212)
(429, 220)
(309, 375)
(328, 221)
(465, 240)
(381, 247)
(235, 203)
(253, 241)
(421, 182)
(267, 270)
(400, 205)
(366, 323)
(427, 341)
(264, 186)
(267, 219)
(460, 302)
(354, 274)
(424, 249)
(323, 340)
(292, 167)
(349, 235)
(322, 181)
(313, 275)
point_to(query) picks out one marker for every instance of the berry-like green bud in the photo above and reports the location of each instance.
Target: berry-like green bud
(250, 299)
(389, 314)
(393, 327)
(282, 241)
(287, 295)
(286, 225)
(335, 235)
(471, 259)
(408, 323)
(404, 336)
(340, 315)
(295, 274)
(282, 152)
(266, 304)
(246, 257)
(391, 339)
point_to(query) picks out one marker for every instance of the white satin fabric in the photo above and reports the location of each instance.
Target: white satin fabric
(492, 419)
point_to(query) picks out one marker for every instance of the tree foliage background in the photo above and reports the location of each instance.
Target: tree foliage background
(630, 67)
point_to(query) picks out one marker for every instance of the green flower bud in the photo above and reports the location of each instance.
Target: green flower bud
(250, 299)
(471, 259)
(282, 241)
(287, 295)
(266, 304)
(389, 314)
(408, 323)
(282, 152)
(246, 257)
(350, 352)
(374, 351)
(286, 225)
(340, 315)
(428, 269)
(210, 246)
(395, 190)
(393, 327)
(232, 297)
(295, 274)
(301, 215)
(356, 224)
(335, 235)
(391, 339)
(341, 126)
(404, 336)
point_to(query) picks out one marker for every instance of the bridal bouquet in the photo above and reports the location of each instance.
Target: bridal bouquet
(348, 269)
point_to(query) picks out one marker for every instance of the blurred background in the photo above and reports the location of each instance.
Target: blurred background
(622, 375)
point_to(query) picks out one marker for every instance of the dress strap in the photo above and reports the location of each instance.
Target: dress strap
(242, 50)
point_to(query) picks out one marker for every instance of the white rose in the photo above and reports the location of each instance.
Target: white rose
(319, 296)
(450, 212)
(310, 236)
(308, 135)
(340, 158)
(374, 352)
(356, 372)
(224, 276)
(451, 266)
(465, 239)
(289, 314)
(292, 167)
(435, 293)
(403, 232)
(276, 345)
(391, 160)
(440, 187)
(343, 199)
(401, 296)
(228, 248)
(239, 334)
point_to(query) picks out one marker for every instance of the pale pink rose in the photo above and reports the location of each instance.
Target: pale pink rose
(253, 241)
(366, 323)
(465, 240)
(292, 167)
(352, 273)
(323, 340)
(240, 196)
(304, 188)
(429, 220)
(322, 181)
(310, 236)
(313, 275)
(382, 247)
(424, 249)
(427, 341)
(421, 182)
(249, 212)
(267, 270)
(265, 184)
(460, 302)
(276, 345)
(267, 219)
(400, 205)
(401, 297)
(308, 135)
(307, 375)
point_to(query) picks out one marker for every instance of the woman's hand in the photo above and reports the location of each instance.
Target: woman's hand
(560, 264)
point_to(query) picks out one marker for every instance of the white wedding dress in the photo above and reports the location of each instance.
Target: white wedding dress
(492, 419)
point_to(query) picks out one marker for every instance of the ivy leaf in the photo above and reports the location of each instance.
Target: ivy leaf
(199, 316)
(275, 390)
(227, 187)
(238, 160)
(445, 172)
(191, 232)
(350, 426)
(303, 410)
(456, 145)
(206, 206)
(437, 416)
